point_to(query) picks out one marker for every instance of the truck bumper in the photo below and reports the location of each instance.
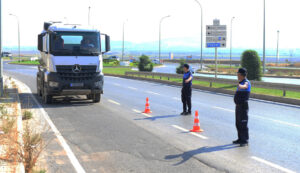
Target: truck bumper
(55, 86)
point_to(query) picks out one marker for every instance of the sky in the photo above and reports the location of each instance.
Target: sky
(142, 17)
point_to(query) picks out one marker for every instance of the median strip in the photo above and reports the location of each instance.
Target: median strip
(185, 130)
(272, 165)
(114, 102)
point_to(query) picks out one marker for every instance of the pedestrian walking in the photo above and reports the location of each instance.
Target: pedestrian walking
(186, 91)
(241, 98)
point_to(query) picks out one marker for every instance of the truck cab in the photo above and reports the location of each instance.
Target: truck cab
(71, 61)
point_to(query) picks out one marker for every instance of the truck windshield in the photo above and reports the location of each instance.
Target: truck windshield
(75, 43)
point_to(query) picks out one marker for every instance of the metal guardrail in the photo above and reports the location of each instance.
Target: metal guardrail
(256, 84)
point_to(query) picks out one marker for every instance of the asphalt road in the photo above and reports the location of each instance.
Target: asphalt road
(113, 136)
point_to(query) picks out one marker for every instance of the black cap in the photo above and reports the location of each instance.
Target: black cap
(186, 66)
(242, 71)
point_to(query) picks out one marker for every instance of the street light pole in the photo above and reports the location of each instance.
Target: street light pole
(159, 42)
(1, 62)
(123, 39)
(19, 47)
(89, 15)
(277, 55)
(201, 54)
(231, 41)
(264, 39)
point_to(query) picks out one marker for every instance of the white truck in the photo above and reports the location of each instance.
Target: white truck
(71, 61)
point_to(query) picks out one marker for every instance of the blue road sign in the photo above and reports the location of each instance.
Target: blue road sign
(213, 45)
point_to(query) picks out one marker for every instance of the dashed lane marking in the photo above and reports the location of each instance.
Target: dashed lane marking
(114, 102)
(260, 117)
(132, 88)
(137, 111)
(176, 98)
(150, 92)
(116, 84)
(224, 109)
(272, 165)
(185, 130)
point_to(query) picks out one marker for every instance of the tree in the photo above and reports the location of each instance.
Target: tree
(145, 64)
(251, 61)
(179, 69)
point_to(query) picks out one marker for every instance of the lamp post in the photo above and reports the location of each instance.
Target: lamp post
(231, 40)
(264, 39)
(89, 15)
(18, 35)
(123, 38)
(159, 46)
(277, 54)
(201, 54)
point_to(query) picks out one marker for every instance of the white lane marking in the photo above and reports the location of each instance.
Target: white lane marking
(229, 110)
(132, 88)
(137, 111)
(176, 98)
(150, 92)
(114, 102)
(116, 84)
(77, 166)
(185, 130)
(277, 121)
(260, 117)
(273, 165)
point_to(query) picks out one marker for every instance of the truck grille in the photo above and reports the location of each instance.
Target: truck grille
(66, 72)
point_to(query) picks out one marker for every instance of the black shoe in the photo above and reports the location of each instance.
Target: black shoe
(243, 143)
(236, 141)
(183, 113)
(189, 113)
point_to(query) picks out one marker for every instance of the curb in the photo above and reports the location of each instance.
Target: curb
(218, 90)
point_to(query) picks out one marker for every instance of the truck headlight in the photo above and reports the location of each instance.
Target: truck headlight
(53, 84)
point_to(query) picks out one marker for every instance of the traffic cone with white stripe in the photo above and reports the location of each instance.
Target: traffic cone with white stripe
(196, 127)
(147, 107)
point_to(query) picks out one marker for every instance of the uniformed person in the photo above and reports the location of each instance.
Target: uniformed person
(241, 110)
(186, 91)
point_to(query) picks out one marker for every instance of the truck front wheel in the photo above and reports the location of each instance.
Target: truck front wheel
(96, 98)
(47, 99)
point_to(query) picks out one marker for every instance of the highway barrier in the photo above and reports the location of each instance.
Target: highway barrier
(257, 84)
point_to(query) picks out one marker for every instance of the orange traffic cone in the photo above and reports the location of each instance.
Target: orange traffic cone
(147, 107)
(196, 127)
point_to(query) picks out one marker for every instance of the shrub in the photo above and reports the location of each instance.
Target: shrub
(251, 61)
(27, 115)
(179, 69)
(145, 64)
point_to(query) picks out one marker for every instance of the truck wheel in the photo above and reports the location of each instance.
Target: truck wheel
(96, 98)
(47, 99)
(38, 88)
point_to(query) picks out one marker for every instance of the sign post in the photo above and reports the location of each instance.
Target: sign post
(1, 61)
(216, 38)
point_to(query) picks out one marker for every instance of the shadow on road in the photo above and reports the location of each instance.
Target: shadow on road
(28, 103)
(189, 154)
(157, 117)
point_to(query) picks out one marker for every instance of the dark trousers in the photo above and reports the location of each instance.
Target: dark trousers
(241, 121)
(186, 98)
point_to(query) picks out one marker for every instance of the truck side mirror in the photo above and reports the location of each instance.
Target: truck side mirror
(40, 42)
(107, 43)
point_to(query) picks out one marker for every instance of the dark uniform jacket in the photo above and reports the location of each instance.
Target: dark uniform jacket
(185, 77)
(242, 96)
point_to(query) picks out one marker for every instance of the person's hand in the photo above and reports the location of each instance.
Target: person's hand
(239, 87)
(186, 81)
